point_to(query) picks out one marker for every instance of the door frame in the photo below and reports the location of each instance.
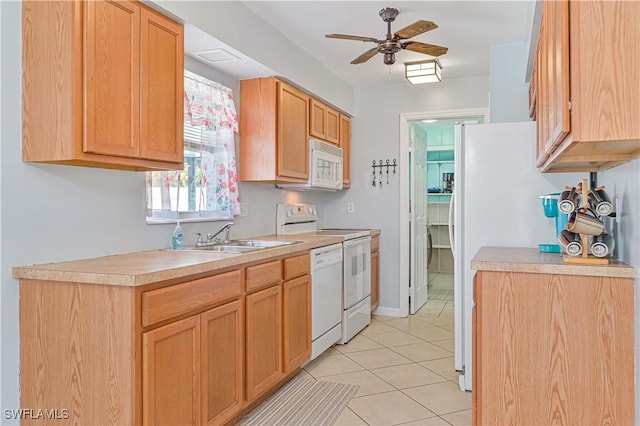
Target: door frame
(405, 118)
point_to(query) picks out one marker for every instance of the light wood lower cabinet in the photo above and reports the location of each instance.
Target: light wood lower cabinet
(296, 303)
(375, 272)
(553, 349)
(171, 373)
(222, 369)
(263, 340)
(204, 351)
(278, 322)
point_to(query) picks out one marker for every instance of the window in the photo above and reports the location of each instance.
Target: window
(207, 187)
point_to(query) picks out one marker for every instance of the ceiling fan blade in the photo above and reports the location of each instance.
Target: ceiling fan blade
(365, 56)
(351, 37)
(427, 49)
(414, 29)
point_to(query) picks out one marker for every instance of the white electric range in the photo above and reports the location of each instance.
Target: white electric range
(350, 291)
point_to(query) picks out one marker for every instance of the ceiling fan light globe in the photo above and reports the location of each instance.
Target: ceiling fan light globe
(389, 58)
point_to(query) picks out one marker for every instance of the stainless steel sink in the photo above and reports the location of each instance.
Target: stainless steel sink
(262, 243)
(241, 246)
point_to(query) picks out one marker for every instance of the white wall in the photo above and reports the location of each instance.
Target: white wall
(53, 213)
(1, 269)
(509, 91)
(376, 136)
(233, 23)
(624, 182)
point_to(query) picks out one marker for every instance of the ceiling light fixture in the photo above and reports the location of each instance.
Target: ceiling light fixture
(429, 71)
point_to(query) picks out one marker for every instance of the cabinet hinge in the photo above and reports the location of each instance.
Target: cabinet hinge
(569, 104)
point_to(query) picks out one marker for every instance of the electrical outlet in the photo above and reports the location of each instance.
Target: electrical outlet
(244, 209)
(350, 207)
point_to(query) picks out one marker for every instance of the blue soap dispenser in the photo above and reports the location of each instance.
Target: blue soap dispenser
(177, 238)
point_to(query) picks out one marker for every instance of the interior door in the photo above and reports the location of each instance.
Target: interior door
(418, 226)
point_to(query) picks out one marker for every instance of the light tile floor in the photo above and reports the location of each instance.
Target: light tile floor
(404, 367)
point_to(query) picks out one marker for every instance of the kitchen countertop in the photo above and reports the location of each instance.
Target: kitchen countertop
(512, 259)
(145, 267)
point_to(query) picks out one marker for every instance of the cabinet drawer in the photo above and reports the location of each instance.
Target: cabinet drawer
(375, 244)
(296, 266)
(164, 303)
(263, 275)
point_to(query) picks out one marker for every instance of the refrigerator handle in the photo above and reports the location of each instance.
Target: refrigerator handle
(451, 207)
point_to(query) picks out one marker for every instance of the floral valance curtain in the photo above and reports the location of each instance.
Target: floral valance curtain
(207, 187)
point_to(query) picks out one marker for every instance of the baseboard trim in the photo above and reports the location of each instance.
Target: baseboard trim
(387, 312)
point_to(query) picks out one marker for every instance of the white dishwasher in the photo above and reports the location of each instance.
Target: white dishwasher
(326, 297)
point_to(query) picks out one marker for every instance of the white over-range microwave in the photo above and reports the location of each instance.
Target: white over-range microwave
(325, 168)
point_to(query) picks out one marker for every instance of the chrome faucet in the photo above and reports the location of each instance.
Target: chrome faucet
(214, 238)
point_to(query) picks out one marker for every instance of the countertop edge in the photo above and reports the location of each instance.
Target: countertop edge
(184, 264)
(530, 260)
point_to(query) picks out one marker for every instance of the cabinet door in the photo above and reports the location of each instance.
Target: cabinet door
(293, 155)
(112, 78)
(297, 322)
(162, 88)
(555, 69)
(559, 124)
(171, 373)
(317, 119)
(333, 126)
(263, 341)
(375, 280)
(542, 79)
(222, 356)
(345, 144)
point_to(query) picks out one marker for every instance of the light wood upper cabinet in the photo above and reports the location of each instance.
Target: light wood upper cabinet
(113, 93)
(345, 144)
(552, 71)
(161, 88)
(324, 122)
(276, 122)
(273, 132)
(317, 119)
(333, 126)
(293, 146)
(112, 77)
(588, 60)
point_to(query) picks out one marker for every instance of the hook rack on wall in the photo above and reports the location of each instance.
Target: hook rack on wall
(378, 172)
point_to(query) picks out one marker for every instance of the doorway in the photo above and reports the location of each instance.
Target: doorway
(434, 132)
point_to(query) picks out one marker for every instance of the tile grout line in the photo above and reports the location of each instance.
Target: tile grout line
(409, 362)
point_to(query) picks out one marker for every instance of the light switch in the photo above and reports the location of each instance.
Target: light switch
(350, 207)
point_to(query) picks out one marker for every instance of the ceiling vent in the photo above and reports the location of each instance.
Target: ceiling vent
(215, 56)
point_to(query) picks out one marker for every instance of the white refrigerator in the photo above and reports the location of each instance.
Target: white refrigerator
(495, 203)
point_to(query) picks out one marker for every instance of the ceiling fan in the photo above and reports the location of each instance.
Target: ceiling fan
(394, 43)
